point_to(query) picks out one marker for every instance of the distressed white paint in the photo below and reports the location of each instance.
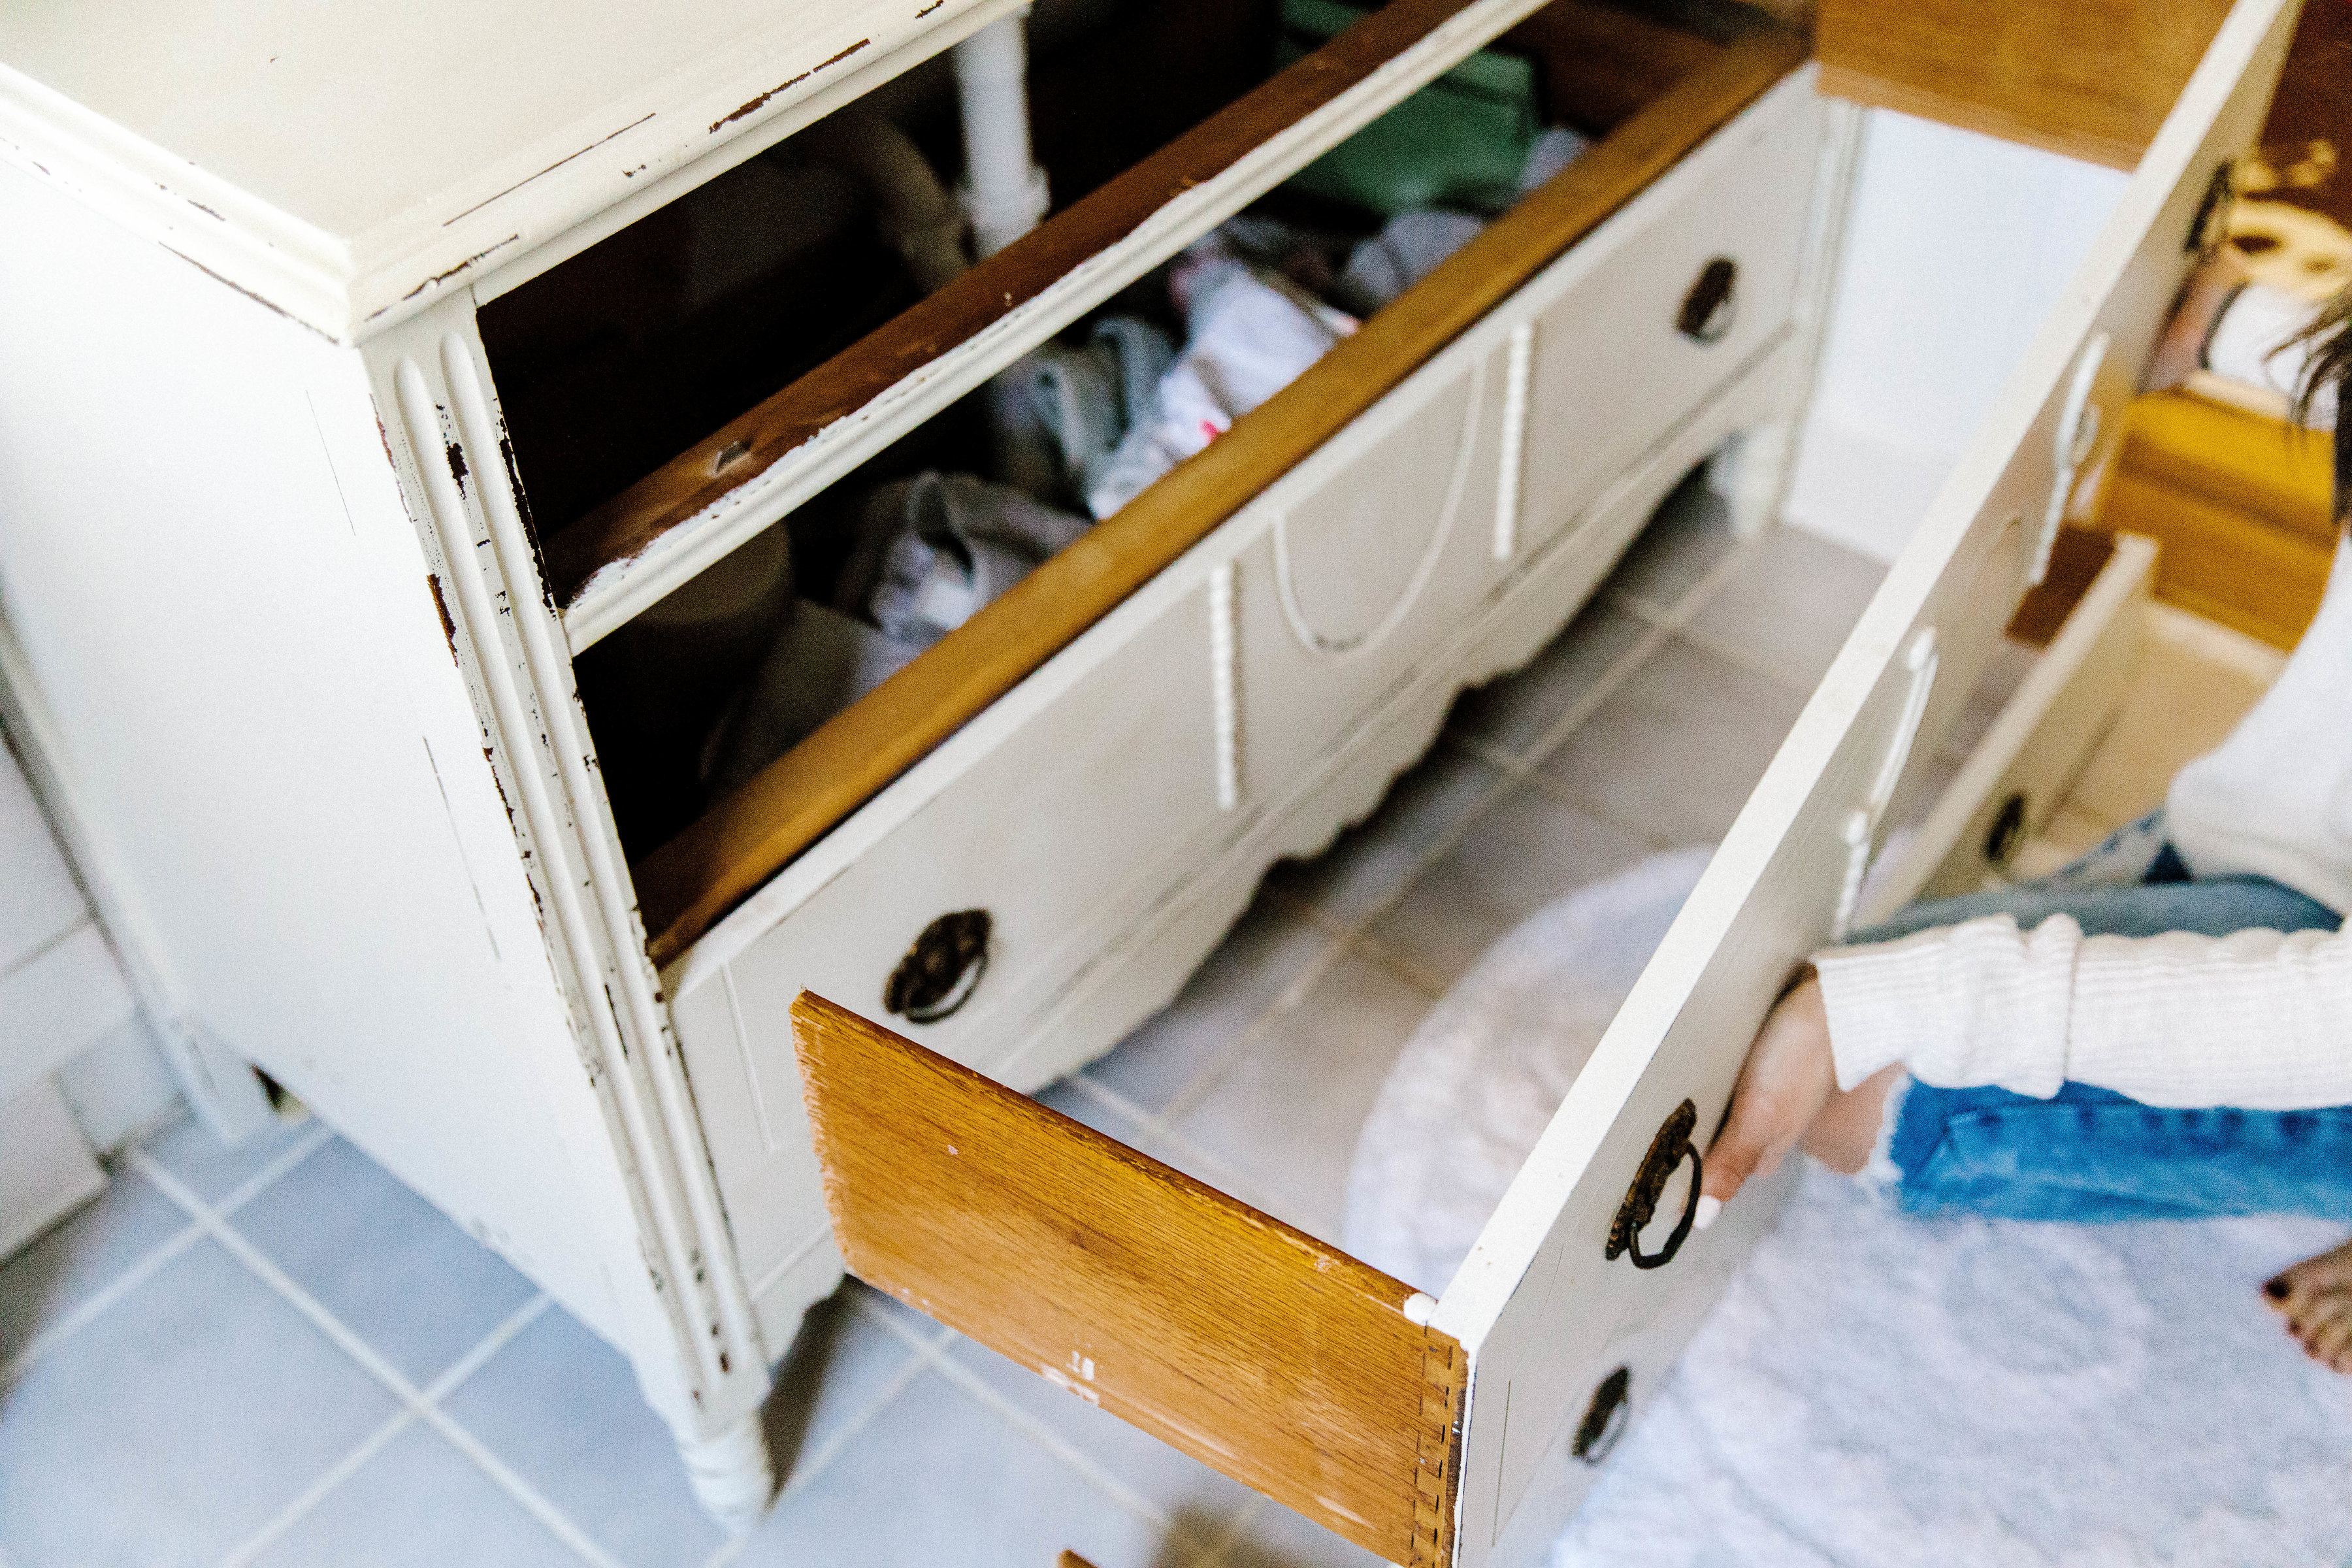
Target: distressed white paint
(1536, 1303)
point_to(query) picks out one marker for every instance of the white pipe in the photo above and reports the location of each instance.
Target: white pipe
(1004, 191)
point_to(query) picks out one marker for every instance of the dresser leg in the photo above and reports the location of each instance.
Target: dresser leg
(1749, 472)
(731, 1474)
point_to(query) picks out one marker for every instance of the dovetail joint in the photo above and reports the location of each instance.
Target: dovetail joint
(1443, 1370)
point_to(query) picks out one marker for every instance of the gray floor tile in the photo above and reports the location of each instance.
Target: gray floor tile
(1279, 1538)
(418, 1503)
(388, 1264)
(1786, 607)
(1689, 533)
(1371, 861)
(1264, 955)
(1083, 1102)
(175, 1425)
(1287, 1114)
(1674, 751)
(211, 1169)
(80, 1257)
(1530, 848)
(562, 1407)
(936, 1479)
(1196, 1501)
(841, 1362)
(1516, 710)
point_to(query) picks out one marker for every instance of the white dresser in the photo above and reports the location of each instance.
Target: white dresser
(316, 640)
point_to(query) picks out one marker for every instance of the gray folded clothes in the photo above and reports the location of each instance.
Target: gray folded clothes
(1411, 244)
(1251, 332)
(820, 662)
(1406, 251)
(1060, 410)
(930, 550)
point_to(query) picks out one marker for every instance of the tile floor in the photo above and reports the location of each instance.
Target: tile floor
(277, 1355)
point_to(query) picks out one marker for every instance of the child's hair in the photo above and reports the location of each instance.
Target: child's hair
(2329, 337)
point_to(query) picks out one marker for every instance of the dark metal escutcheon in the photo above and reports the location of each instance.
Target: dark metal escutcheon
(1605, 1418)
(1712, 302)
(2008, 831)
(1667, 1151)
(939, 972)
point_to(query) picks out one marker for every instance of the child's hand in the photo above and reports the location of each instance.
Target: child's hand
(1788, 1079)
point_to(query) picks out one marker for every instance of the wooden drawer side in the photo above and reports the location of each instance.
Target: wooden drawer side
(1259, 1351)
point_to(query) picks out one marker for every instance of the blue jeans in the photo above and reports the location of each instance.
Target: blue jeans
(2090, 1153)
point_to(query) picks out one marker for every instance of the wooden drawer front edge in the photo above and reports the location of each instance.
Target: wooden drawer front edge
(1257, 1350)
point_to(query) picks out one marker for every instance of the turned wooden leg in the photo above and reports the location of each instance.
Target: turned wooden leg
(731, 1474)
(1749, 471)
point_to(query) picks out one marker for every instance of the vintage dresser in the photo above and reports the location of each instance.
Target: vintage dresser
(328, 595)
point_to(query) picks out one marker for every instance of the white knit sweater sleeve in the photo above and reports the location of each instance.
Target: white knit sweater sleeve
(2255, 1019)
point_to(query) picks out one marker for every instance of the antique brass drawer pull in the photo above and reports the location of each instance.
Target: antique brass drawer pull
(940, 971)
(1713, 303)
(1667, 1151)
(1606, 1417)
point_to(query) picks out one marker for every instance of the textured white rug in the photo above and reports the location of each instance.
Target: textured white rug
(1877, 1390)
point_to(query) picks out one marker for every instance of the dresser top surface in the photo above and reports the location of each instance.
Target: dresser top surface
(374, 148)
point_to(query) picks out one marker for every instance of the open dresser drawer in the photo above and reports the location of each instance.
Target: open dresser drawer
(1056, 810)
(1417, 1428)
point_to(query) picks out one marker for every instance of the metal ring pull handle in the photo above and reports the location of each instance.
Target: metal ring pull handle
(1713, 303)
(1606, 1417)
(942, 969)
(1668, 1149)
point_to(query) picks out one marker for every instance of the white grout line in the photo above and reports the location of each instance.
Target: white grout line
(808, 1467)
(1191, 1159)
(253, 1186)
(383, 1372)
(146, 1266)
(121, 1285)
(977, 1388)
(287, 1517)
(440, 1388)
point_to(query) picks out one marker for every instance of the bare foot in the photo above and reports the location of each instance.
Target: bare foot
(2315, 1296)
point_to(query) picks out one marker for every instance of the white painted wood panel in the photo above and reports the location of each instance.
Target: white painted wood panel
(235, 637)
(1364, 562)
(1536, 1301)
(1609, 368)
